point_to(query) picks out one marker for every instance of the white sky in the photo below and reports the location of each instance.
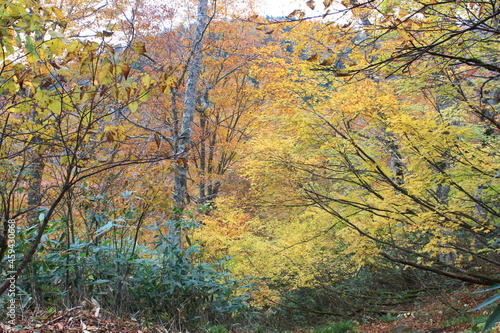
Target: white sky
(278, 7)
(285, 7)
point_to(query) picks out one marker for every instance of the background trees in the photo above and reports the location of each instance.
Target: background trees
(381, 146)
(445, 52)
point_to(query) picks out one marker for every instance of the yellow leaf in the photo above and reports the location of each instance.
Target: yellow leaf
(74, 46)
(133, 106)
(415, 25)
(404, 34)
(120, 133)
(145, 97)
(342, 73)
(327, 3)
(59, 14)
(139, 47)
(104, 75)
(56, 107)
(167, 82)
(310, 4)
(87, 118)
(146, 80)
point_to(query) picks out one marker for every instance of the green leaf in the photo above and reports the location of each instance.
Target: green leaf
(29, 45)
(487, 302)
(497, 286)
(56, 107)
(492, 319)
(55, 34)
(104, 228)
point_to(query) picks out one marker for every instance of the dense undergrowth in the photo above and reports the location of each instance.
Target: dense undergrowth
(157, 282)
(165, 283)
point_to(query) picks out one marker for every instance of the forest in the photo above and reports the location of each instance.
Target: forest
(204, 166)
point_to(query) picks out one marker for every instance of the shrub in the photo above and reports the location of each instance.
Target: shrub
(162, 281)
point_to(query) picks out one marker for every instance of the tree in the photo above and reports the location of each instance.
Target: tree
(186, 131)
(226, 106)
(224, 98)
(62, 101)
(407, 162)
(448, 50)
(263, 225)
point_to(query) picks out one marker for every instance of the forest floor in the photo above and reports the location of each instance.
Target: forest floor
(445, 313)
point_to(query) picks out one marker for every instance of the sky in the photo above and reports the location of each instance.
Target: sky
(278, 7)
(285, 7)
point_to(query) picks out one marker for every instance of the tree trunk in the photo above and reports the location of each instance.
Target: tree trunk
(36, 168)
(184, 139)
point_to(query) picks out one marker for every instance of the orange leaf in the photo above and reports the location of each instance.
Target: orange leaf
(182, 161)
(157, 139)
(342, 73)
(329, 61)
(296, 13)
(125, 70)
(312, 58)
(346, 25)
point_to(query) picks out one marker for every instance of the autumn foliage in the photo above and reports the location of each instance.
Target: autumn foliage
(224, 161)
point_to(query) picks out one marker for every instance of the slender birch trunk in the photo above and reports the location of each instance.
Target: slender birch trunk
(184, 139)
